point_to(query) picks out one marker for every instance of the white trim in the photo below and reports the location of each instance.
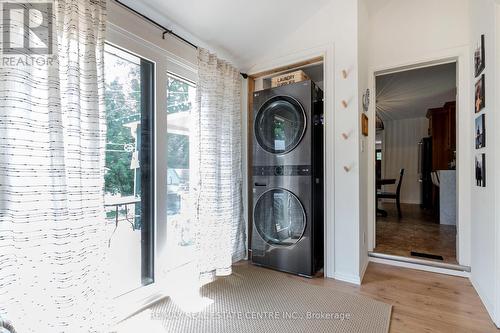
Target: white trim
(182, 71)
(419, 261)
(420, 267)
(116, 29)
(460, 55)
(244, 159)
(327, 52)
(490, 307)
(349, 278)
(127, 308)
(419, 65)
(292, 58)
(363, 270)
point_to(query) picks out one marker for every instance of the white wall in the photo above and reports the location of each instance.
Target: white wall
(497, 157)
(332, 31)
(403, 33)
(400, 151)
(365, 151)
(485, 218)
(404, 30)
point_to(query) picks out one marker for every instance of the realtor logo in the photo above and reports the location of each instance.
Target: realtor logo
(27, 28)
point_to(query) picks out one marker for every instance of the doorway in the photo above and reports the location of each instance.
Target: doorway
(416, 163)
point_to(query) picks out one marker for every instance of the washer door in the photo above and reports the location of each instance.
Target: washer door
(280, 124)
(279, 217)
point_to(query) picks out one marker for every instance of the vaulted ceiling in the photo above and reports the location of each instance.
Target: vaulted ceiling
(243, 29)
(411, 93)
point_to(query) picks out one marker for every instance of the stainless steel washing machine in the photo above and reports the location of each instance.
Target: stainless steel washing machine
(287, 231)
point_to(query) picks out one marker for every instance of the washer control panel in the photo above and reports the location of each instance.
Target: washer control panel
(282, 170)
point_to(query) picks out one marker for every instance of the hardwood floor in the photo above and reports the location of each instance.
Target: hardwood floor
(417, 231)
(422, 301)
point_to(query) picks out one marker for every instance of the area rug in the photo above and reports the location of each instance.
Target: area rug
(255, 299)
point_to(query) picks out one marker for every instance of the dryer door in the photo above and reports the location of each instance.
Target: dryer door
(280, 124)
(279, 217)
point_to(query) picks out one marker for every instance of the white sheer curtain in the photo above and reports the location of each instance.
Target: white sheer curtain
(215, 154)
(52, 237)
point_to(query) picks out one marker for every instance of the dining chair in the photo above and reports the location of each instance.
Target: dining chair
(394, 196)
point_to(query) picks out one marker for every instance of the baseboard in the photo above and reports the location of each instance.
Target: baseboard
(420, 267)
(489, 306)
(350, 278)
(135, 308)
(363, 270)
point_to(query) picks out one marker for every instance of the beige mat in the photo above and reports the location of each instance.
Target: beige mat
(256, 299)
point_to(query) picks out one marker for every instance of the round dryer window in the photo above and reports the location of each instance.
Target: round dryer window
(280, 125)
(279, 217)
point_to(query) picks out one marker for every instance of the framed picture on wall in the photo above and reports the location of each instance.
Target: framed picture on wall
(364, 125)
(480, 132)
(479, 57)
(479, 95)
(480, 170)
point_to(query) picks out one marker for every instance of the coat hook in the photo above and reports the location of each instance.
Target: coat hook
(344, 104)
(346, 168)
(345, 136)
(344, 74)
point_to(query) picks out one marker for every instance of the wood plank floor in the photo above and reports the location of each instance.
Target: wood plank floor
(422, 301)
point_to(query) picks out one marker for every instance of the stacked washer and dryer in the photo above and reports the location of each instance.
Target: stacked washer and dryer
(288, 179)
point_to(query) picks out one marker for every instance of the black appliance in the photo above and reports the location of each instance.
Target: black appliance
(287, 232)
(425, 168)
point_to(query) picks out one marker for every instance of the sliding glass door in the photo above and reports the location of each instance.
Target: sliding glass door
(129, 178)
(147, 167)
(180, 100)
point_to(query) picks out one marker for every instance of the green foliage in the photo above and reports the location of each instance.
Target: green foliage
(178, 96)
(119, 177)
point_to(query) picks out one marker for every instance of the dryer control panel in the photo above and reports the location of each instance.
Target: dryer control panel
(282, 170)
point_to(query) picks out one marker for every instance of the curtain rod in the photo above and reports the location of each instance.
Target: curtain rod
(165, 30)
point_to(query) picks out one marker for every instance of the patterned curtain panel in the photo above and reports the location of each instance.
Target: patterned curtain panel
(52, 139)
(216, 167)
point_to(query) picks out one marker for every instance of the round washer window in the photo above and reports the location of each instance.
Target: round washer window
(279, 217)
(280, 125)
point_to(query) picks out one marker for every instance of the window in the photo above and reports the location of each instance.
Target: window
(180, 99)
(129, 182)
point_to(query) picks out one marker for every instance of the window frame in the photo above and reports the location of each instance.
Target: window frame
(193, 84)
(165, 63)
(147, 183)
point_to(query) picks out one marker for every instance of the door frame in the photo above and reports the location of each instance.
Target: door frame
(460, 56)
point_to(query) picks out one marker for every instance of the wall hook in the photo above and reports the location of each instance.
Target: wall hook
(346, 168)
(345, 104)
(345, 136)
(345, 73)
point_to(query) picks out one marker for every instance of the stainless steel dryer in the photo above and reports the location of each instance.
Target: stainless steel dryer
(287, 184)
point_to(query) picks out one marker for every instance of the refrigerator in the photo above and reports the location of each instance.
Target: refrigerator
(425, 169)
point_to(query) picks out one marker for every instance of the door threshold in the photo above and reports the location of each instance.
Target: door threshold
(420, 264)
